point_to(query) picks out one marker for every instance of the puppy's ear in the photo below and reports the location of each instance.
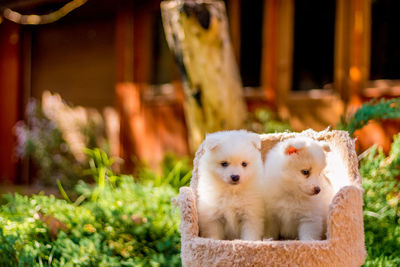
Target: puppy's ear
(325, 146)
(291, 150)
(294, 147)
(255, 140)
(211, 142)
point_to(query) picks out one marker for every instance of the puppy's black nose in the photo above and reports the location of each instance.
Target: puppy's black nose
(235, 177)
(317, 190)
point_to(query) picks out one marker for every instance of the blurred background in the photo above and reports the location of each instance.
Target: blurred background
(99, 120)
(101, 73)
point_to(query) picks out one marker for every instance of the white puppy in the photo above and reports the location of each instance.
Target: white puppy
(230, 203)
(297, 194)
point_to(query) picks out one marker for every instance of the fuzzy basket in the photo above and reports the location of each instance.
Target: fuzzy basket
(344, 245)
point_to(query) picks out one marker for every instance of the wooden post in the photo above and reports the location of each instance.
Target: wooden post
(360, 54)
(125, 90)
(285, 51)
(269, 50)
(234, 14)
(341, 55)
(277, 50)
(197, 33)
(352, 49)
(124, 42)
(9, 97)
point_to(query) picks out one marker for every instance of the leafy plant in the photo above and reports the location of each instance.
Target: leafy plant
(382, 205)
(101, 169)
(115, 222)
(175, 172)
(266, 121)
(7, 252)
(54, 136)
(373, 110)
(42, 141)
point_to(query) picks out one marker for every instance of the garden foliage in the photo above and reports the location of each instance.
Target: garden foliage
(175, 171)
(54, 136)
(42, 141)
(115, 222)
(373, 110)
(382, 205)
(121, 221)
(266, 121)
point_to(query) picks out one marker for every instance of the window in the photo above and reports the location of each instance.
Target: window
(251, 42)
(163, 67)
(385, 39)
(314, 31)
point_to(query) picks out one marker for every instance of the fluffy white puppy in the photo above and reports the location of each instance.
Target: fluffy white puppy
(297, 194)
(230, 203)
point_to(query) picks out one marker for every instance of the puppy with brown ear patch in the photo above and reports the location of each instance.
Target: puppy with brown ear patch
(230, 203)
(296, 193)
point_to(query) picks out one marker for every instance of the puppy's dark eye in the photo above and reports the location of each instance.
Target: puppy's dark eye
(224, 164)
(244, 164)
(306, 172)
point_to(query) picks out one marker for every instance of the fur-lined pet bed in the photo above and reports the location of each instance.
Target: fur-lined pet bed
(344, 245)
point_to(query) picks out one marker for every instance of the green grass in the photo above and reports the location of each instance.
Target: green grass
(115, 222)
(120, 221)
(130, 225)
(382, 210)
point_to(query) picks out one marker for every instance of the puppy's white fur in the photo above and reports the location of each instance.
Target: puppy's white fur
(229, 209)
(297, 194)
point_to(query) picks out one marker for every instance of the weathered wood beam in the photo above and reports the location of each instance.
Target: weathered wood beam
(197, 33)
